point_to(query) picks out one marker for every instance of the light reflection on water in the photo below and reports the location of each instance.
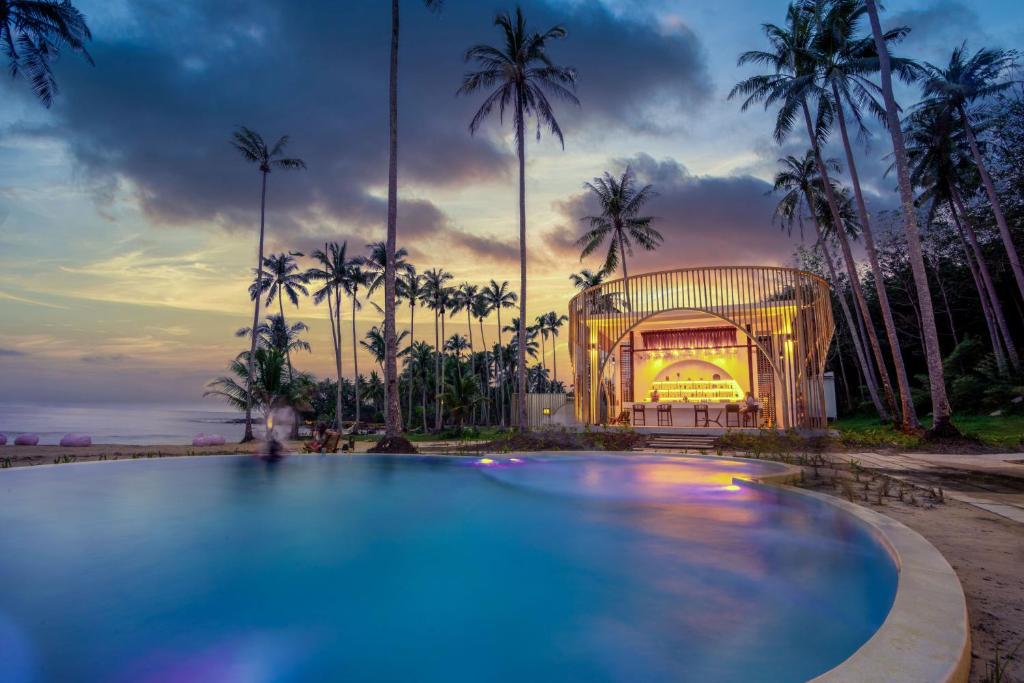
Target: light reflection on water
(570, 568)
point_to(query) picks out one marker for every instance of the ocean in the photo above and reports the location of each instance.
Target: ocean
(141, 424)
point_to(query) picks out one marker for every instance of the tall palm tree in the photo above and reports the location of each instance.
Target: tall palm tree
(844, 60)
(254, 150)
(942, 424)
(457, 345)
(520, 74)
(619, 222)
(800, 185)
(436, 299)
(964, 81)
(792, 84)
(32, 33)
(266, 390)
(393, 426)
(499, 296)
(939, 161)
(410, 287)
(463, 298)
(332, 262)
(355, 278)
(284, 279)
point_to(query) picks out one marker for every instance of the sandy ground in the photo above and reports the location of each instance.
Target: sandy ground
(985, 549)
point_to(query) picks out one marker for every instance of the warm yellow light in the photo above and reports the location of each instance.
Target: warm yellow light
(486, 461)
(731, 487)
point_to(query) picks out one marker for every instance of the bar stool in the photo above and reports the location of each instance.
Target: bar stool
(698, 409)
(639, 416)
(664, 415)
(732, 412)
(750, 417)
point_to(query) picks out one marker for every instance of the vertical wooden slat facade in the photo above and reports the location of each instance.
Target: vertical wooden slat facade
(786, 314)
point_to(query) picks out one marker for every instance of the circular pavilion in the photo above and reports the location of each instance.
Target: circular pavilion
(682, 348)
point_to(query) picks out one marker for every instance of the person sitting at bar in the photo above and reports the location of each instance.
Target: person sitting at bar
(750, 405)
(654, 396)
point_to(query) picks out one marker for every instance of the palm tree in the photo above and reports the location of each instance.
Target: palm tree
(421, 355)
(374, 343)
(461, 395)
(955, 88)
(435, 297)
(457, 345)
(376, 264)
(521, 75)
(331, 272)
(792, 83)
(410, 287)
(939, 160)
(499, 296)
(267, 389)
(393, 426)
(843, 61)
(355, 277)
(482, 309)
(282, 278)
(586, 278)
(32, 33)
(253, 149)
(620, 222)
(553, 323)
(463, 298)
(275, 333)
(942, 412)
(800, 184)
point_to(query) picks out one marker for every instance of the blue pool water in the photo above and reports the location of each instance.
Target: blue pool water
(316, 568)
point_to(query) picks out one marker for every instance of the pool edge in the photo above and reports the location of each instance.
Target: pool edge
(926, 636)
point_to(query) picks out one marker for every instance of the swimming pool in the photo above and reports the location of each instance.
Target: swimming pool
(588, 568)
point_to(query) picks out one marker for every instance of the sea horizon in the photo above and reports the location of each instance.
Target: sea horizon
(120, 422)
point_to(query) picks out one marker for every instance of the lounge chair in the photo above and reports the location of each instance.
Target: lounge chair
(330, 444)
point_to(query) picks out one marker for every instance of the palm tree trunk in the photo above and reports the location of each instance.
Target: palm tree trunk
(444, 367)
(909, 421)
(858, 348)
(487, 373)
(355, 357)
(412, 340)
(392, 412)
(500, 366)
(341, 367)
(554, 358)
(337, 363)
(851, 267)
(941, 410)
(287, 350)
(983, 296)
(437, 373)
(472, 356)
(993, 198)
(625, 272)
(521, 355)
(964, 223)
(256, 314)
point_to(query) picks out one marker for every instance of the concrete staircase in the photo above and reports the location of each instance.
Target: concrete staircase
(681, 442)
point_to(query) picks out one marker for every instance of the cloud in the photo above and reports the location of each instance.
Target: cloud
(153, 117)
(11, 353)
(104, 359)
(705, 220)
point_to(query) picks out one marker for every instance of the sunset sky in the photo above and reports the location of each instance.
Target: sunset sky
(128, 224)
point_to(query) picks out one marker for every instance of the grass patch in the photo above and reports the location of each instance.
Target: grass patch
(1004, 431)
